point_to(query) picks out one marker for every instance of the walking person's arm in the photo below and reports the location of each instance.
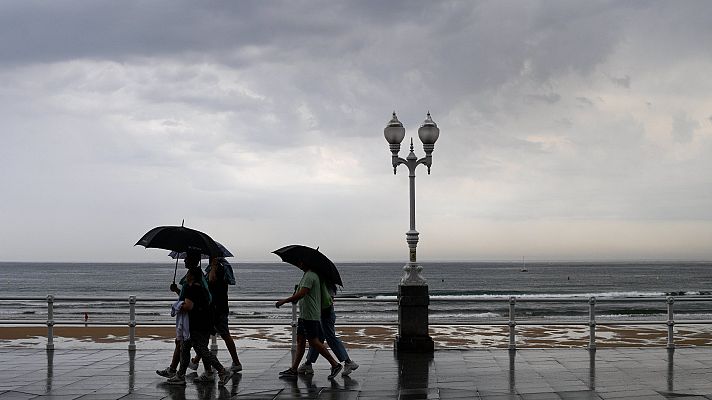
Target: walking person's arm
(293, 298)
(187, 305)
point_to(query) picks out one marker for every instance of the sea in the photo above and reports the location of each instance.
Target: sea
(461, 292)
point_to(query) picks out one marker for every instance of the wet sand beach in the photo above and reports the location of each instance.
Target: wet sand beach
(376, 337)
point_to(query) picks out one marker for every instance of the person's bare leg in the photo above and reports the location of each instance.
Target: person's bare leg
(319, 346)
(175, 360)
(230, 344)
(301, 345)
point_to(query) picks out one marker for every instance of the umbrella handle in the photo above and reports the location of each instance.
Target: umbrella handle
(175, 272)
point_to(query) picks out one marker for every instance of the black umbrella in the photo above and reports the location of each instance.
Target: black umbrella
(223, 253)
(313, 258)
(179, 239)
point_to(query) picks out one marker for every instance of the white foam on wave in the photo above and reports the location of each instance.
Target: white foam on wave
(598, 295)
(548, 295)
(483, 315)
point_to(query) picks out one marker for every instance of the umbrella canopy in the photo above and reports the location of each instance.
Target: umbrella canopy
(223, 253)
(313, 258)
(229, 274)
(179, 239)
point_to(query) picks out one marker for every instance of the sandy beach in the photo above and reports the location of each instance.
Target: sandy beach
(466, 337)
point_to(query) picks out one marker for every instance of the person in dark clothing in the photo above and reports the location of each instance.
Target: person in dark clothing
(197, 304)
(192, 258)
(218, 285)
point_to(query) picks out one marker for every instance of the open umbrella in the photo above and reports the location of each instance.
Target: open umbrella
(179, 239)
(313, 258)
(229, 273)
(223, 253)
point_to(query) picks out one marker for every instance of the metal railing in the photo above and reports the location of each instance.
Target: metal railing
(512, 322)
(132, 322)
(592, 322)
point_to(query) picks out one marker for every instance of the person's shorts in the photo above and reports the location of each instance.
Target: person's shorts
(308, 328)
(220, 324)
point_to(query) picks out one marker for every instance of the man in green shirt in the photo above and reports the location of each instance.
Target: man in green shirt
(328, 328)
(308, 294)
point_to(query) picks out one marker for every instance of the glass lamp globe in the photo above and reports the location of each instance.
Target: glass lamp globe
(429, 131)
(394, 131)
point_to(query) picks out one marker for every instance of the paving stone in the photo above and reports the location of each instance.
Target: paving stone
(570, 374)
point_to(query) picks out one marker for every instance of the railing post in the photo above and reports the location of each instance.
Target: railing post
(670, 322)
(214, 343)
(512, 324)
(50, 322)
(294, 330)
(592, 323)
(132, 323)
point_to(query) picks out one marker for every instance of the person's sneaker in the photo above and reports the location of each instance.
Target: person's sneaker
(206, 377)
(305, 369)
(349, 367)
(193, 365)
(176, 379)
(288, 373)
(224, 376)
(166, 373)
(236, 367)
(335, 371)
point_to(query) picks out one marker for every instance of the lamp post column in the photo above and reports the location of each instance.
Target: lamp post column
(413, 297)
(412, 270)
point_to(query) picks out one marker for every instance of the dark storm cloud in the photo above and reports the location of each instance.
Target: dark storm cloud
(35, 31)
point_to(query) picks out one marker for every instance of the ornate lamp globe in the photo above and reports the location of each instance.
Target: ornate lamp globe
(394, 131)
(429, 131)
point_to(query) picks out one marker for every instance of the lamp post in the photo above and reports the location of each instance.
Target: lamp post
(413, 296)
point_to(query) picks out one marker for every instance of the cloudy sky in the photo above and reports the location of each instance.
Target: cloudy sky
(569, 130)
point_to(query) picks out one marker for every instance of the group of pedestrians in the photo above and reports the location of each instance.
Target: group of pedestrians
(202, 310)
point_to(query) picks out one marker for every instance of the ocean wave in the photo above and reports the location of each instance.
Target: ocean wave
(476, 315)
(505, 296)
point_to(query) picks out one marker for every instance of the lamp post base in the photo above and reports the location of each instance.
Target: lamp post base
(413, 335)
(414, 344)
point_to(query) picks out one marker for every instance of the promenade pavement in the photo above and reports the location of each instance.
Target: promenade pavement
(621, 373)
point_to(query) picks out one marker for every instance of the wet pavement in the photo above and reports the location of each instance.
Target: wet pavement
(623, 373)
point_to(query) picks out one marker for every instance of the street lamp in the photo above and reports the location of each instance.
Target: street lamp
(428, 134)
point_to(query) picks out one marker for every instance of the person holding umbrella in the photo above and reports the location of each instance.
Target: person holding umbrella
(195, 254)
(308, 294)
(220, 275)
(328, 322)
(197, 305)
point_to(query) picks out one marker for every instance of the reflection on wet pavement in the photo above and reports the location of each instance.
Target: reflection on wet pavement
(645, 373)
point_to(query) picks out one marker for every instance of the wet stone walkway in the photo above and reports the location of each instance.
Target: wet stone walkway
(626, 373)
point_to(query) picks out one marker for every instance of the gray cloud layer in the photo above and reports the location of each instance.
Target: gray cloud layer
(261, 124)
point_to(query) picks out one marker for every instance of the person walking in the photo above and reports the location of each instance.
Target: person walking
(170, 371)
(219, 275)
(328, 322)
(308, 294)
(197, 304)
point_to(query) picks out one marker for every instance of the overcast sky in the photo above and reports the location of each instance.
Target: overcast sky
(569, 130)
